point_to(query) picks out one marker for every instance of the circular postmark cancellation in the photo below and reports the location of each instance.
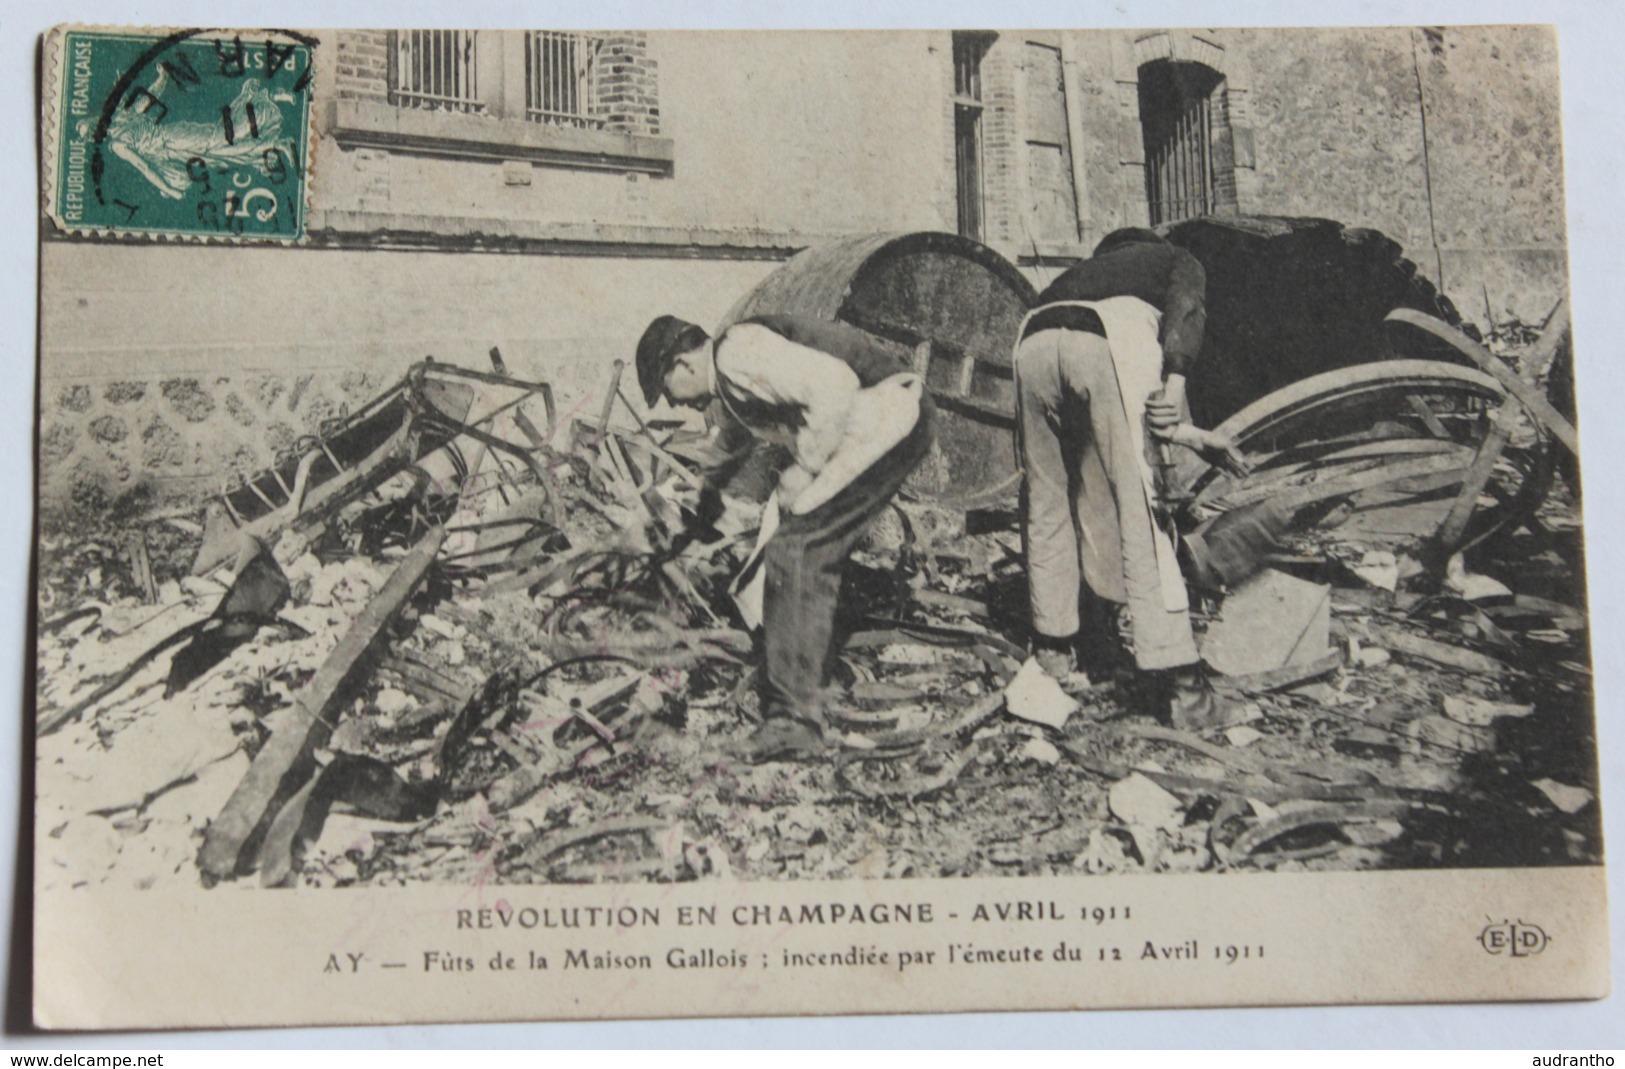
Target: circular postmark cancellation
(196, 133)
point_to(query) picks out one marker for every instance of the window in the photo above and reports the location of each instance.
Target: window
(437, 70)
(1182, 116)
(560, 71)
(1053, 200)
(969, 48)
(469, 71)
(586, 101)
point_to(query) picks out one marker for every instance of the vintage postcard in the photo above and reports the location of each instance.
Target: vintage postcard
(544, 524)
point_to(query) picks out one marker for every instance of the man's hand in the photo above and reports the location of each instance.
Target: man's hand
(1214, 447)
(1165, 409)
(792, 481)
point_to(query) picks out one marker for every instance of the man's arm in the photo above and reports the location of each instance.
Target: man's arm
(809, 393)
(136, 160)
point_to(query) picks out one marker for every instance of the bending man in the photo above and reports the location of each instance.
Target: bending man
(855, 423)
(1102, 358)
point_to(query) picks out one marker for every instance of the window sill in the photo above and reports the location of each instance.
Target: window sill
(365, 124)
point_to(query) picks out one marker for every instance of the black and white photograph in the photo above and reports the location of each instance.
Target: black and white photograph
(806, 514)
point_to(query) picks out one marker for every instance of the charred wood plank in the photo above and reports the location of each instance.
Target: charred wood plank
(1478, 476)
(546, 847)
(1286, 676)
(306, 509)
(520, 418)
(520, 784)
(1527, 395)
(287, 758)
(1440, 653)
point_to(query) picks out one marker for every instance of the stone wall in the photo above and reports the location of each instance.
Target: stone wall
(101, 439)
(173, 367)
(1448, 141)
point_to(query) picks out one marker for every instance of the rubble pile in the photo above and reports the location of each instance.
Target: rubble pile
(446, 644)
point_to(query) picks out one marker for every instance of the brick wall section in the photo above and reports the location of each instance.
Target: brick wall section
(1224, 153)
(361, 68)
(628, 86)
(627, 91)
(1003, 185)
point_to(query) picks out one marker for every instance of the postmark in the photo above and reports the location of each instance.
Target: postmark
(191, 134)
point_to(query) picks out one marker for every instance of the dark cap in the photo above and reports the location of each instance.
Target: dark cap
(1129, 235)
(658, 349)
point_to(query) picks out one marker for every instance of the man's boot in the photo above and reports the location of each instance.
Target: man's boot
(1192, 705)
(782, 738)
(1057, 664)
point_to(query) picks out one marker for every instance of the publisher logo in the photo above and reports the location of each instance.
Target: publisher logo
(1516, 939)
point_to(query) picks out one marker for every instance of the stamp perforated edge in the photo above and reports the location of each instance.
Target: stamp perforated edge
(52, 81)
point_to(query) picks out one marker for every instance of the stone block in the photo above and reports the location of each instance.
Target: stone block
(188, 398)
(124, 393)
(109, 429)
(75, 398)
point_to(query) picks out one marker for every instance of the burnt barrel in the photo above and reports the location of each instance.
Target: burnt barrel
(951, 308)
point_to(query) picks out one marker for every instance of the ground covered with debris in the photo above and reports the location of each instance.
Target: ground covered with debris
(483, 651)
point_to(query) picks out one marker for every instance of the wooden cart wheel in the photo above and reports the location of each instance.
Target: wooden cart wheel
(1388, 429)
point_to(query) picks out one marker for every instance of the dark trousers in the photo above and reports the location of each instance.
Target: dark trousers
(804, 561)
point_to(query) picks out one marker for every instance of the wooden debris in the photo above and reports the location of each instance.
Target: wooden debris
(521, 419)
(609, 403)
(967, 719)
(286, 757)
(1243, 849)
(904, 783)
(1489, 453)
(555, 843)
(141, 564)
(1527, 395)
(605, 573)
(1481, 713)
(1246, 762)
(936, 599)
(1290, 675)
(518, 785)
(1408, 645)
(222, 543)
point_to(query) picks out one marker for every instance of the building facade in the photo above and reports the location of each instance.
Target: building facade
(549, 192)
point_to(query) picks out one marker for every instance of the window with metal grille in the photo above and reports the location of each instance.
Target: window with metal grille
(969, 48)
(476, 72)
(561, 73)
(1181, 114)
(438, 70)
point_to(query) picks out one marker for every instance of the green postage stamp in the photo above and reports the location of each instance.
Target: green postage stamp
(190, 133)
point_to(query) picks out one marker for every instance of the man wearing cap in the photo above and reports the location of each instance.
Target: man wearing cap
(854, 422)
(1102, 359)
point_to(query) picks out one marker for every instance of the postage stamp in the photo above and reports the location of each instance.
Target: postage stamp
(189, 133)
